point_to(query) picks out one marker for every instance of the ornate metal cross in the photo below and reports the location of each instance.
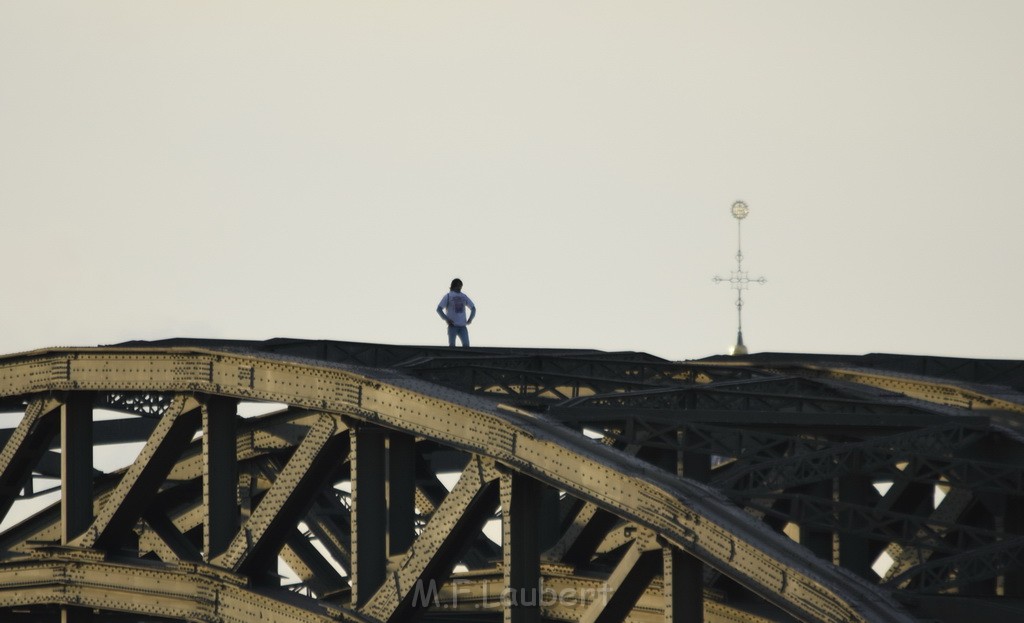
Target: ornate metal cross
(739, 278)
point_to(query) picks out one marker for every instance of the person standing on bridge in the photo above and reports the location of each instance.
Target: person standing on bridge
(452, 309)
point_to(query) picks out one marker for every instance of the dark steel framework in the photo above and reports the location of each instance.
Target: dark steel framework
(399, 483)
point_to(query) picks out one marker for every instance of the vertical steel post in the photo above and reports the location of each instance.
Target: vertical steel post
(819, 541)
(982, 516)
(683, 573)
(369, 513)
(75, 478)
(855, 550)
(1013, 525)
(548, 510)
(220, 475)
(401, 492)
(76, 465)
(683, 577)
(520, 548)
(690, 464)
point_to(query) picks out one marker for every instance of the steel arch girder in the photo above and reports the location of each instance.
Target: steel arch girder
(685, 514)
(188, 592)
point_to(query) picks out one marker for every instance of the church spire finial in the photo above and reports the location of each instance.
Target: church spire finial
(738, 278)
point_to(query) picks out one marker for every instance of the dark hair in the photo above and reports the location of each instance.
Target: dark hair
(456, 283)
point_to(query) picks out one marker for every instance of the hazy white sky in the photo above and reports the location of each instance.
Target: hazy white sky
(323, 169)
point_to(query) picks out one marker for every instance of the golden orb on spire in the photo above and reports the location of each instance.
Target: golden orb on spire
(740, 210)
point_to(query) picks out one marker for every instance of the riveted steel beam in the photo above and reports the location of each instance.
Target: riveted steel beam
(943, 575)
(687, 515)
(934, 528)
(311, 567)
(369, 511)
(163, 538)
(186, 592)
(580, 540)
(401, 492)
(263, 534)
(709, 403)
(413, 585)
(25, 447)
(641, 561)
(76, 465)
(520, 496)
(126, 503)
(566, 596)
(1005, 407)
(330, 522)
(856, 489)
(220, 474)
(933, 532)
(872, 456)
(683, 586)
(279, 432)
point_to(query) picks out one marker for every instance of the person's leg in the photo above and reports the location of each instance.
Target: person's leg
(464, 335)
(452, 330)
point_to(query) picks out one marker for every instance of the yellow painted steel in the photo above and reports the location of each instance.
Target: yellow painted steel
(683, 513)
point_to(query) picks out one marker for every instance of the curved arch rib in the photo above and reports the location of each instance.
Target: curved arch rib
(684, 514)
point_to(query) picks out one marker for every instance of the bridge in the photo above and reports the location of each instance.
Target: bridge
(288, 481)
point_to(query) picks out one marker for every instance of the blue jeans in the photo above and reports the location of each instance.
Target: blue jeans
(462, 332)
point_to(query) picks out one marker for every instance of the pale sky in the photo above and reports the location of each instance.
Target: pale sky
(322, 170)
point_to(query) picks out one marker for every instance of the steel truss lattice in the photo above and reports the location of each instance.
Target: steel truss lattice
(399, 483)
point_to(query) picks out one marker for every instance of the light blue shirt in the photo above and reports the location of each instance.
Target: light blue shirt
(453, 307)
